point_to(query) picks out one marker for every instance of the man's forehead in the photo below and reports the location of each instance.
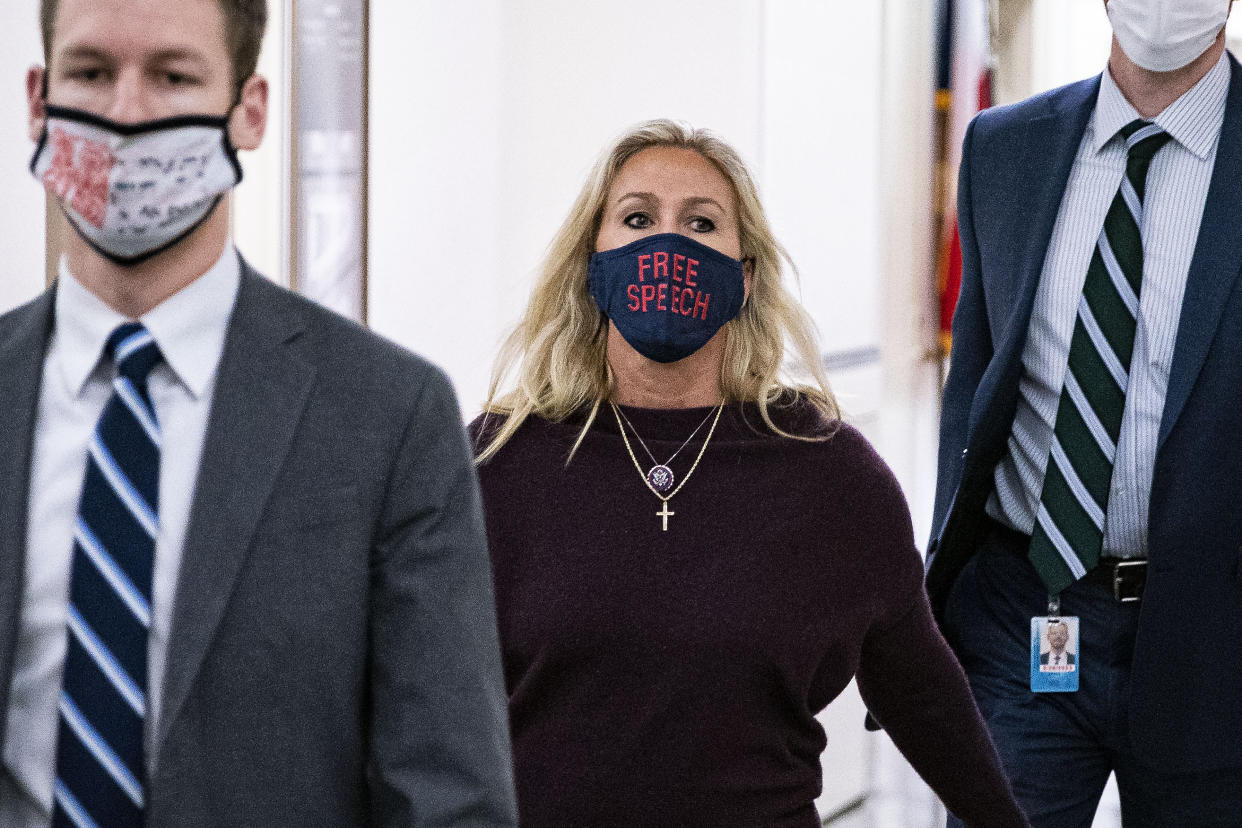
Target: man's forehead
(145, 28)
(88, 50)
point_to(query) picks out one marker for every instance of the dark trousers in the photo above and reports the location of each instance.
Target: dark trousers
(1058, 748)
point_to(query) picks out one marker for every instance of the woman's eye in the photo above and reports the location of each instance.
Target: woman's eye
(702, 225)
(638, 221)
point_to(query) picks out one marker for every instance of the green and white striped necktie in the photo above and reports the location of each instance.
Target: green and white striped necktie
(1069, 524)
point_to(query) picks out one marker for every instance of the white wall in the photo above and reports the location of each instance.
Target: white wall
(1070, 41)
(435, 264)
(22, 208)
(820, 164)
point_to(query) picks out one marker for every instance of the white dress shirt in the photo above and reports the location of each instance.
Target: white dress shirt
(189, 328)
(1177, 187)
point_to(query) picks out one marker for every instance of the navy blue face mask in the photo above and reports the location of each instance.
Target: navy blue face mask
(667, 294)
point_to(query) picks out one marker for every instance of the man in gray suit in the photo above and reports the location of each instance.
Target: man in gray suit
(243, 574)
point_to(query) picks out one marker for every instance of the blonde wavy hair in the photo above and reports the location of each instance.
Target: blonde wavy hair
(558, 352)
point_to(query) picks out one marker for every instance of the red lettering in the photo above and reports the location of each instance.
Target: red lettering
(691, 271)
(686, 295)
(643, 260)
(91, 196)
(679, 266)
(79, 173)
(59, 175)
(661, 296)
(632, 292)
(700, 301)
(674, 295)
(648, 295)
(661, 264)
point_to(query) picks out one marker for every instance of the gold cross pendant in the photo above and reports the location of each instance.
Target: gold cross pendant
(665, 514)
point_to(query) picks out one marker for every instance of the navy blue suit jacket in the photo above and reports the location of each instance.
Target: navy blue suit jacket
(1186, 695)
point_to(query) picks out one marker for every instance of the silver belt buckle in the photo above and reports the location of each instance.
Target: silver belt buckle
(1117, 572)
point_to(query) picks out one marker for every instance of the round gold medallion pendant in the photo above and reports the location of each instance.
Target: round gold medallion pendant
(661, 478)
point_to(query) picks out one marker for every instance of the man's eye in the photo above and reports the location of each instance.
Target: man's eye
(178, 79)
(86, 74)
(702, 225)
(638, 221)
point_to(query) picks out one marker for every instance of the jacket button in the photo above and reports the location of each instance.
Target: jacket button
(965, 452)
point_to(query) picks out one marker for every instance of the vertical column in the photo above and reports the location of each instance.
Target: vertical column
(260, 204)
(1012, 45)
(329, 136)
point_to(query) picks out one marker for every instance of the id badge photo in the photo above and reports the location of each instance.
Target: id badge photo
(1054, 654)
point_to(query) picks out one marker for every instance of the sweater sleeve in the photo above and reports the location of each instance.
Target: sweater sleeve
(909, 678)
(914, 686)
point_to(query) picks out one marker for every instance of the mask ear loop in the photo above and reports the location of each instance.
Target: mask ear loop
(751, 261)
(34, 159)
(229, 149)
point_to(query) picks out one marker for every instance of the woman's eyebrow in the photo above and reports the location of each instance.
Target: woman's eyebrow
(641, 196)
(696, 201)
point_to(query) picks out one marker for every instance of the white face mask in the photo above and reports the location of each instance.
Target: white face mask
(134, 190)
(1164, 35)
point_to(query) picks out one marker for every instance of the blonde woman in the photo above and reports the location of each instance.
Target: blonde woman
(692, 555)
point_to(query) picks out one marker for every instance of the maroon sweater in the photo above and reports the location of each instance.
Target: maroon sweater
(671, 678)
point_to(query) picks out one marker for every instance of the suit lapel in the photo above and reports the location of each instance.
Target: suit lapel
(261, 390)
(1216, 263)
(22, 347)
(1019, 184)
(1033, 197)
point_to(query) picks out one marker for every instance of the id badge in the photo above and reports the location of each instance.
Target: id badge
(1054, 654)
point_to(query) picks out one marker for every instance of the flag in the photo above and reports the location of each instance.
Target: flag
(964, 88)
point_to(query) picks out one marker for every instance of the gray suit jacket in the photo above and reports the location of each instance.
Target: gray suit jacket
(334, 658)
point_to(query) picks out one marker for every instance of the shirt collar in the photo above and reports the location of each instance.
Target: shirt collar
(189, 326)
(1194, 120)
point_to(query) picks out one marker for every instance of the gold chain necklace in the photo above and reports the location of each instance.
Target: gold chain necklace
(664, 514)
(660, 475)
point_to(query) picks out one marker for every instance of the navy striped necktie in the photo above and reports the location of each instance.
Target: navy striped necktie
(100, 762)
(1069, 526)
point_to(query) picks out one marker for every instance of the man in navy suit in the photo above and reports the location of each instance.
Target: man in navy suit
(1090, 461)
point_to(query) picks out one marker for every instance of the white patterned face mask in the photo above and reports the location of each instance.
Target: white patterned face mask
(134, 190)
(1165, 35)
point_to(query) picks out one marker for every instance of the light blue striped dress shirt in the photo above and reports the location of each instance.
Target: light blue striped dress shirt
(1177, 187)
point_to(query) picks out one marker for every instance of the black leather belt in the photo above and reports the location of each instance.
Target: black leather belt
(1126, 577)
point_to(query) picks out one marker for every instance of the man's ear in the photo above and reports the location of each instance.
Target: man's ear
(36, 104)
(248, 120)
